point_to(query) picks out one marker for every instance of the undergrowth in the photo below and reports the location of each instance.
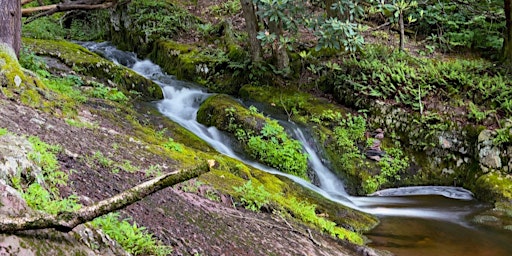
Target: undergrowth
(389, 75)
(271, 145)
(132, 237)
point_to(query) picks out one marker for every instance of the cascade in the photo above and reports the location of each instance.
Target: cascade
(426, 207)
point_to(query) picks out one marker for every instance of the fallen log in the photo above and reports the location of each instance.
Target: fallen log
(66, 221)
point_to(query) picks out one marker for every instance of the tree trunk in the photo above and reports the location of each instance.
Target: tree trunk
(10, 24)
(66, 221)
(402, 31)
(279, 50)
(507, 42)
(251, 25)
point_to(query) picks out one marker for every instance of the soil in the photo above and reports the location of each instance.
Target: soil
(189, 222)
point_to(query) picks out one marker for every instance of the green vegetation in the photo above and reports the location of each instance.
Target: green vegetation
(392, 165)
(133, 238)
(3, 131)
(253, 198)
(272, 146)
(408, 80)
(172, 145)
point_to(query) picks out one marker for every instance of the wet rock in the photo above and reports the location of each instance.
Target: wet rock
(481, 219)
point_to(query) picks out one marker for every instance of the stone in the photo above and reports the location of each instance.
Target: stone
(485, 137)
(490, 157)
(444, 142)
(14, 159)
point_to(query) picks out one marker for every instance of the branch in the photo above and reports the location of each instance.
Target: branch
(25, 12)
(52, 9)
(66, 221)
(24, 2)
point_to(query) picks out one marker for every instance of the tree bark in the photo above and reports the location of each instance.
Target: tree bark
(251, 26)
(507, 42)
(402, 31)
(280, 53)
(10, 24)
(66, 221)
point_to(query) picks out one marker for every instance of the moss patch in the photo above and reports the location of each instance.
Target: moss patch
(494, 186)
(90, 64)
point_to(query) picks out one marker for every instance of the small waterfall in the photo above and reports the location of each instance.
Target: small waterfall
(181, 102)
(426, 206)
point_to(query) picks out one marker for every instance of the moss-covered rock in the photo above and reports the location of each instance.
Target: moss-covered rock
(137, 25)
(206, 66)
(90, 64)
(299, 106)
(262, 138)
(227, 114)
(229, 173)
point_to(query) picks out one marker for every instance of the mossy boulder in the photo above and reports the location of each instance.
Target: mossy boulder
(90, 64)
(262, 138)
(203, 65)
(227, 114)
(137, 25)
(298, 106)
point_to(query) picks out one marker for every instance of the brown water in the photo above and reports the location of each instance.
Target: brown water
(451, 235)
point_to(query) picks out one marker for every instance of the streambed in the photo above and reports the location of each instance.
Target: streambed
(427, 221)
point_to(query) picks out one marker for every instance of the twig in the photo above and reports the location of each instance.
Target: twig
(312, 239)
(379, 27)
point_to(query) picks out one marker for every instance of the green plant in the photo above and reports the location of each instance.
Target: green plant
(172, 145)
(230, 7)
(154, 170)
(68, 86)
(103, 92)
(38, 198)
(212, 195)
(391, 166)
(273, 147)
(133, 238)
(160, 134)
(128, 167)
(47, 27)
(307, 213)
(44, 156)
(476, 114)
(3, 131)
(33, 62)
(502, 136)
(192, 186)
(44, 194)
(103, 160)
(253, 198)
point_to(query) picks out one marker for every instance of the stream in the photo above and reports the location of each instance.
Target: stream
(427, 220)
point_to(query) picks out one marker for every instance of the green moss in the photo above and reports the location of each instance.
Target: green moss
(229, 173)
(299, 106)
(182, 60)
(262, 138)
(142, 22)
(494, 185)
(30, 97)
(87, 63)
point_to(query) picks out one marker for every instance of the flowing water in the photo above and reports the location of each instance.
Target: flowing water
(429, 220)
